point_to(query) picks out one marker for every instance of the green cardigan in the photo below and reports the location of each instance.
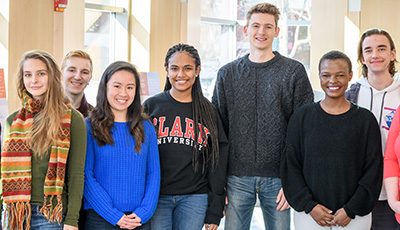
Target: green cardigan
(73, 186)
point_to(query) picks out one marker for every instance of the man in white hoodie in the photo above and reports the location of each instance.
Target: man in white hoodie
(379, 91)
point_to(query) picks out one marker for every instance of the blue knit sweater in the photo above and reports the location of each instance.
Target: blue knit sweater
(118, 180)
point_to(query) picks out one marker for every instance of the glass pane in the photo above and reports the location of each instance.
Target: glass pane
(295, 30)
(244, 5)
(102, 2)
(98, 38)
(298, 46)
(215, 50)
(224, 9)
(98, 43)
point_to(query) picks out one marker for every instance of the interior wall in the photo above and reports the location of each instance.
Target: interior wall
(35, 25)
(192, 16)
(327, 32)
(165, 31)
(172, 22)
(73, 27)
(30, 27)
(384, 14)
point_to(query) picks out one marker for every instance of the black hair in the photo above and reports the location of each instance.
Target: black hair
(334, 55)
(102, 118)
(203, 112)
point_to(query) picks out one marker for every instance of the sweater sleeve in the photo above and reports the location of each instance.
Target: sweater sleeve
(217, 180)
(303, 93)
(352, 92)
(153, 177)
(370, 183)
(391, 162)
(93, 192)
(219, 99)
(75, 167)
(297, 193)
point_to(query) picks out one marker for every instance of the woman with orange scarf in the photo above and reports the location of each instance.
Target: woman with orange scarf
(43, 155)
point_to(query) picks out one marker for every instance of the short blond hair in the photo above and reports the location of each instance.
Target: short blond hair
(79, 54)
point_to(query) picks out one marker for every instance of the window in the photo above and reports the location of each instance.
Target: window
(99, 39)
(222, 39)
(104, 22)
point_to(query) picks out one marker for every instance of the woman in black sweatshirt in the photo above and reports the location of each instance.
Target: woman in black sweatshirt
(332, 168)
(192, 145)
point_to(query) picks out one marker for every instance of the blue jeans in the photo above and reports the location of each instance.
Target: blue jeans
(180, 212)
(96, 222)
(38, 221)
(242, 192)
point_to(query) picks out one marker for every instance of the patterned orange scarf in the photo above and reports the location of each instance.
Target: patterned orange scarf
(16, 174)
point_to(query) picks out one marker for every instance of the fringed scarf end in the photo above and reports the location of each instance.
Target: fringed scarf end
(17, 214)
(50, 213)
(46, 208)
(56, 215)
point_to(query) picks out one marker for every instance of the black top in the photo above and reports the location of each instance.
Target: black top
(333, 160)
(85, 107)
(255, 101)
(174, 124)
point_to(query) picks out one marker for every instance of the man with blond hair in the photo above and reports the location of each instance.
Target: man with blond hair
(77, 68)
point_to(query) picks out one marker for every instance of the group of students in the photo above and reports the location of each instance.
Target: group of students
(178, 161)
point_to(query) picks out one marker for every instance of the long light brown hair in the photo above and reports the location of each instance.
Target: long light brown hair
(47, 123)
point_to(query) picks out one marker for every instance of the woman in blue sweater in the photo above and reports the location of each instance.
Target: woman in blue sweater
(122, 171)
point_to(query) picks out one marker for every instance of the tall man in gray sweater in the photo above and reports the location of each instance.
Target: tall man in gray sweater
(255, 96)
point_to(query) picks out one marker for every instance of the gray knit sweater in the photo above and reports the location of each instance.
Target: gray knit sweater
(255, 101)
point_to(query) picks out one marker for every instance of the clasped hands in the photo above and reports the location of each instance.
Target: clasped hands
(323, 216)
(130, 221)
